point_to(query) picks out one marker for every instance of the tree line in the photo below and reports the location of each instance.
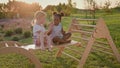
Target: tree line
(15, 9)
(19, 9)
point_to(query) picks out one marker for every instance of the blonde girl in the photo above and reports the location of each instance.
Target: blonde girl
(41, 39)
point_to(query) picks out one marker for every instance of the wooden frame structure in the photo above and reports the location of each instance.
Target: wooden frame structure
(7, 47)
(100, 31)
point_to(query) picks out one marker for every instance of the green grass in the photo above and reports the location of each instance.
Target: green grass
(15, 61)
(48, 60)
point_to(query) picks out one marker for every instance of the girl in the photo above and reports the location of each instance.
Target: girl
(41, 39)
(57, 33)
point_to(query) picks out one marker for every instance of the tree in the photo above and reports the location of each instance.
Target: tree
(59, 7)
(14, 8)
(91, 5)
(106, 6)
(74, 5)
(70, 3)
(117, 6)
(67, 9)
(118, 3)
(22, 8)
(2, 10)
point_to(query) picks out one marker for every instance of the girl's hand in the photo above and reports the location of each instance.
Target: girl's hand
(50, 28)
(51, 25)
(38, 42)
(46, 32)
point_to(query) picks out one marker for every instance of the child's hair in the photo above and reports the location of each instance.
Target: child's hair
(60, 15)
(37, 14)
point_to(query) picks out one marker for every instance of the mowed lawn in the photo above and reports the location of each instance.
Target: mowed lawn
(48, 60)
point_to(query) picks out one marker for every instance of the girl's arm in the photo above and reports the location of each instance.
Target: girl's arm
(63, 32)
(50, 29)
(41, 38)
(38, 32)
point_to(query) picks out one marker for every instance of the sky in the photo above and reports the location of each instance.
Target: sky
(44, 3)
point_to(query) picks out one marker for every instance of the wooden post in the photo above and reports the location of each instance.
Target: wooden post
(114, 49)
(72, 26)
(59, 53)
(86, 52)
(103, 32)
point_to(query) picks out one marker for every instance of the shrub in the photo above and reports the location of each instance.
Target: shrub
(8, 33)
(1, 39)
(15, 38)
(2, 26)
(18, 30)
(27, 34)
(0, 29)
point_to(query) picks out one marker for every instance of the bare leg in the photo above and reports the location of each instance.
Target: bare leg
(58, 40)
(49, 43)
(42, 41)
(37, 43)
(67, 36)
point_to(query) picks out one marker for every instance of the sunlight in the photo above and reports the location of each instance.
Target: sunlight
(44, 3)
(79, 3)
(34, 33)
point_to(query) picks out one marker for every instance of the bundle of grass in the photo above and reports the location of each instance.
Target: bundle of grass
(18, 31)
(27, 34)
(15, 38)
(8, 33)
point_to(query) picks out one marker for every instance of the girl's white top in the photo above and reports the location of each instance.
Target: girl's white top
(42, 36)
(57, 31)
(36, 28)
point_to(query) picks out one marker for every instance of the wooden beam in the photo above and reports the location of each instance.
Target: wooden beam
(100, 42)
(103, 32)
(59, 52)
(100, 46)
(114, 49)
(80, 31)
(6, 45)
(74, 50)
(93, 26)
(16, 45)
(86, 52)
(103, 51)
(80, 38)
(79, 19)
(24, 52)
(71, 56)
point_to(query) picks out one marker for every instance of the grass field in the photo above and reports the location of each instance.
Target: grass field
(95, 60)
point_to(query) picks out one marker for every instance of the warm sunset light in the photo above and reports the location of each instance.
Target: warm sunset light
(79, 3)
(59, 33)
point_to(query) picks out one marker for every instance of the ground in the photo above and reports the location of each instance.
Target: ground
(48, 60)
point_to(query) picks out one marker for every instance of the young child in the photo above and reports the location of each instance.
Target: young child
(41, 39)
(56, 32)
